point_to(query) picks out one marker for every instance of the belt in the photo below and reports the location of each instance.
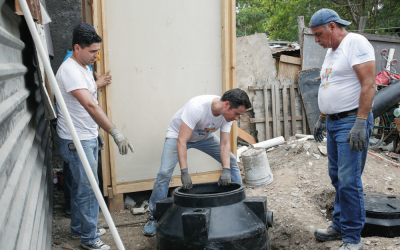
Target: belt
(343, 114)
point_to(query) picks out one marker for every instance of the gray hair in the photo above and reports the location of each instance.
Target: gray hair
(339, 25)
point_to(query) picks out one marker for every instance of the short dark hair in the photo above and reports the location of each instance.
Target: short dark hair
(85, 37)
(236, 98)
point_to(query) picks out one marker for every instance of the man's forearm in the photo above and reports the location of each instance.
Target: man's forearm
(182, 154)
(100, 117)
(226, 155)
(366, 99)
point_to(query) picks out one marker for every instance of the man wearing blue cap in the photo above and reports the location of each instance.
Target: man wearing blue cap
(345, 97)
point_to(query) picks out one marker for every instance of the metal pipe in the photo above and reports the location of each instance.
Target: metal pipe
(61, 104)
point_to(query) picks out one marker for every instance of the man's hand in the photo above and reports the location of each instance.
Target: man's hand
(358, 135)
(103, 80)
(225, 178)
(121, 141)
(319, 128)
(101, 141)
(185, 178)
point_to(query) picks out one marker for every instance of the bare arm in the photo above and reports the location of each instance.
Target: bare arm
(366, 75)
(183, 137)
(86, 100)
(225, 148)
(103, 80)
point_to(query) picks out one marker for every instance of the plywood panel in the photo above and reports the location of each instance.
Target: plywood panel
(161, 54)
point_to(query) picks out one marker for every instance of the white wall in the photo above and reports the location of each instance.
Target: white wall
(161, 54)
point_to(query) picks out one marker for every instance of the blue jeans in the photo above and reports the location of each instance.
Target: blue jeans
(67, 180)
(84, 205)
(209, 145)
(345, 169)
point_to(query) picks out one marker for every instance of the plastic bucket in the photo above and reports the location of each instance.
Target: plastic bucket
(256, 167)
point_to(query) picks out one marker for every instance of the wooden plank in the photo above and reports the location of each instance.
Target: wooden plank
(101, 94)
(116, 203)
(108, 99)
(228, 31)
(258, 120)
(267, 133)
(288, 70)
(259, 87)
(285, 112)
(232, 67)
(290, 59)
(293, 109)
(142, 185)
(273, 97)
(246, 136)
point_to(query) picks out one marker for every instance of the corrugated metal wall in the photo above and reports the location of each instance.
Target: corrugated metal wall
(25, 171)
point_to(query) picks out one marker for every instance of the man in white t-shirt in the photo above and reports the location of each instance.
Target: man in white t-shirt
(193, 126)
(79, 91)
(345, 97)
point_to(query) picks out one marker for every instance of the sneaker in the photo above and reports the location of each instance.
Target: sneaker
(327, 234)
(100, 231)
(350, 246)
(150, 228)
(97, 245)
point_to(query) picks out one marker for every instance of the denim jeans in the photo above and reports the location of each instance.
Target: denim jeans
(345, 169)
(67, 181)
(84, 205)
(209, 145)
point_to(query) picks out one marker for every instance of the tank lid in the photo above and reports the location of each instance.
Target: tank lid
(209, 195)
(382, 206)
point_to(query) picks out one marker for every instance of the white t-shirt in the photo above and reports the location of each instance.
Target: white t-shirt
(340, 87)
(71, 76)
(198, 116)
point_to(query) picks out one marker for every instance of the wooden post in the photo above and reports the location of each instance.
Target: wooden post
(363, 22)
(228, 31)
(300, 24)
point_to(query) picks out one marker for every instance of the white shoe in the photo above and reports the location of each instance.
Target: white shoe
(97, 245)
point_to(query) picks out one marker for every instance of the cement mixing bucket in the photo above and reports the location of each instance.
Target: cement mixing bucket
(256, 167)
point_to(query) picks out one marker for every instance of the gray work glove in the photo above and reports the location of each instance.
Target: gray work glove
(101, 141)
(225, 178)
(358, 135)
(319, 129)
(185, 178)
(121, 141)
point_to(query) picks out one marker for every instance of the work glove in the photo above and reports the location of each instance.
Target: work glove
(101, 141)
(358, 135)
(185, 178)
(121, 141)
(225, 178)
(319, 128)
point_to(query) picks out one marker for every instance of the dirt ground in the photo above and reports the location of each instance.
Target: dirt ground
(301, 197)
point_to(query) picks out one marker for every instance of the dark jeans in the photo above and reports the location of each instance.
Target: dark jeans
(67, 181)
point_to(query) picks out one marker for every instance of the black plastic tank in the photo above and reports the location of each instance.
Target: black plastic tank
(382, 215)
(213, 217)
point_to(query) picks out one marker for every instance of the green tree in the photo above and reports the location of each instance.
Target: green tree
(280, 19)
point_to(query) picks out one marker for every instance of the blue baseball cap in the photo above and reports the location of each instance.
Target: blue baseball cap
(324, 16)
(83, 25)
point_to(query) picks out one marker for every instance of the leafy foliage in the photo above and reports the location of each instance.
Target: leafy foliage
(278, 18)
